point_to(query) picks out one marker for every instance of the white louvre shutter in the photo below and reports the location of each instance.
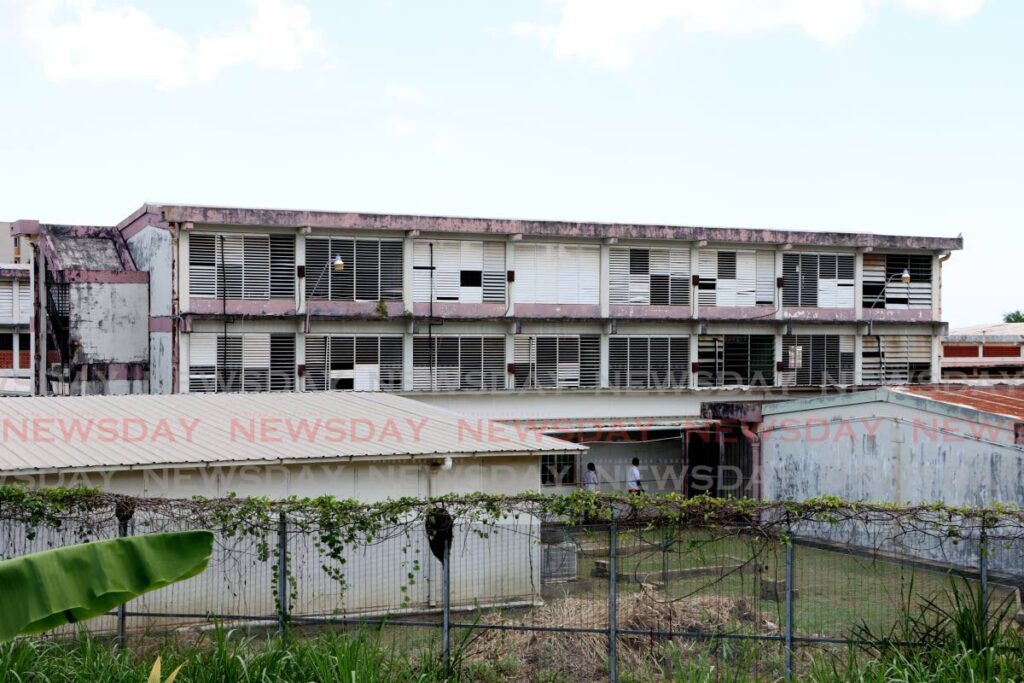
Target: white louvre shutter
(545, 275)
(421, 270)
(282, 362)
(447, 271)
(493, 276)
(707, 270)
(726, 284)
(7, 299)
(282, 266)
(391, 270)
(618, 362)
(566, 267)
(618, 275)
(588, 269)
(874, 281)
(844, 281)
(24, 299)
(202, 363)
(526, 272)
(765, 278)
(391, 363)
(316, 363)
(202, 265)
(256, 362)
(639, 276)
(524, 359)
(230, 266)
(318, 258)
(366, 273)
(746, 278)
(256, 267)
(366, 369)
(471, 261)
(828, 290)
(679, 276)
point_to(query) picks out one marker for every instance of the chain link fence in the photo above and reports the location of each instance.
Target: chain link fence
(585, 601)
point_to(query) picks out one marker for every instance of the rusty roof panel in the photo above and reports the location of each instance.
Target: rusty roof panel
(1001, 399)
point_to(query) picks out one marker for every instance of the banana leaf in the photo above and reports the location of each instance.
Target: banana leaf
(44, 590)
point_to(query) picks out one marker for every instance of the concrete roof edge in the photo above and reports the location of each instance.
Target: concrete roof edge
(335, 219)
(832, 400)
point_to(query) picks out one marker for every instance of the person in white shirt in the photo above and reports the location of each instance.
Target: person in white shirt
(590, 480)
(635, 485)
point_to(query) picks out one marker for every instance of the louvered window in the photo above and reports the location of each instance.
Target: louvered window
(241, 266)
(372, 272)
(736, 359)
(896, 359)
(24, 299)
(817, 359)
(648, 362)
(450, 363)
(884, 286)
(563, 362)
(658, 277)
(736, 278)
(241, 362)
(359, 363)
(460, 271)
(557, 274)
(7, 299)
(818, 280)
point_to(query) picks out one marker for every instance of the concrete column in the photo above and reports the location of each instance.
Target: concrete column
(858, 287)
(39, 340)
(300, 282)
(510, 358)
(858, 357)
(510, 287)
(184, 342)
(407, 366)
(602, 285)
(693, 359)
(694, 292)
(300, 353)
(779, 313)
(778, 359)
(936, 287)
(408, 276)
(183, 291)
(603, 382)
(936, 356)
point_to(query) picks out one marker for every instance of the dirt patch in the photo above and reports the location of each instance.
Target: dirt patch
(582, 656)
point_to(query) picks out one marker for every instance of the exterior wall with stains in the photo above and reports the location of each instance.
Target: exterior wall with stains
(151, 249)
(869, 448)
(110, 322)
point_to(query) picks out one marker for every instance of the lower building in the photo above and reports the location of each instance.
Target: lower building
(984, 352)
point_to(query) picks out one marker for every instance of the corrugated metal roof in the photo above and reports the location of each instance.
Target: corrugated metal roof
(125, 432)
(987, 330)
(1003, 399)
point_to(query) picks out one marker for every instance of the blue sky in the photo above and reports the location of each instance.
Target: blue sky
(900, 116)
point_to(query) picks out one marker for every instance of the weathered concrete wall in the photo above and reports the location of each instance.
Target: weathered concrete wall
(884, 452)
(110, 322)
(151, 248)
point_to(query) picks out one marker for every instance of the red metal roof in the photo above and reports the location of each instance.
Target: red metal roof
(1001, 399)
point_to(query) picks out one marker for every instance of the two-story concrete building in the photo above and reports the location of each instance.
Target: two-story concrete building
(612, 334)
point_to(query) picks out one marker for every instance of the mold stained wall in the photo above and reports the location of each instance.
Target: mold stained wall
(887, 452)
(110, 322)
(151, 249)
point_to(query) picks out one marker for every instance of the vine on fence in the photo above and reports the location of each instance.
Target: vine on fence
(336, 525)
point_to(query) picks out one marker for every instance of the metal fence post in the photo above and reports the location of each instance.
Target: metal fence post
(282, 573)
(789, 601)
(446, 607)
(613, 617)
(122, 610)
(983, 567)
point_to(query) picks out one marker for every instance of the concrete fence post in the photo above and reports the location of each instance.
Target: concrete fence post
(124, 514)
(613, 617)
(983, 567)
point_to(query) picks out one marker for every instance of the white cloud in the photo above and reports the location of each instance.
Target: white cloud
(403, 93)
(123, 43)
(401, 128)
(611, 31)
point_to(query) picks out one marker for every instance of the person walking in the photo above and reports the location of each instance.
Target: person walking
(635, 485)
